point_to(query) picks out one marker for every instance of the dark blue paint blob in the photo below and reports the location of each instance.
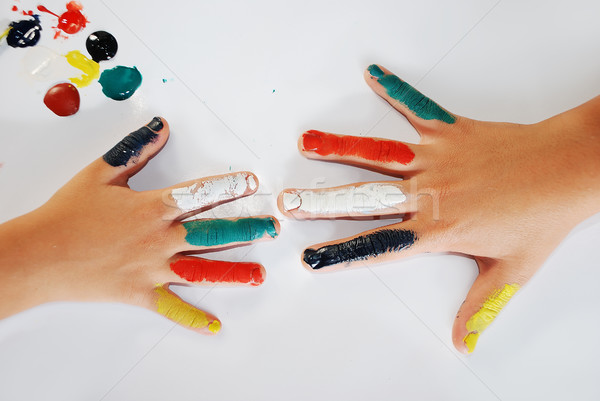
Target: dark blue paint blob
(24, 33)
(360, 248)
(132, 144)
(101, 45)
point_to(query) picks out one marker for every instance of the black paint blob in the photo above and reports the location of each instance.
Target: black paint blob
(24, 33)
(132, 144)
(101, 45)
(360, 248)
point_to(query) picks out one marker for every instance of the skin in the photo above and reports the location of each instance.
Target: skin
(98, 240)
(504, 194)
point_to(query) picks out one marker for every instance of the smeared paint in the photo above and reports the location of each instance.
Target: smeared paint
(71, 21)
(172, 307)
(62, 99)
(374, 149)
(101, 45)
(5, 33)
(210, 191)
(360, 248)
(415, 101)
(488, 312)
(132, 145)
(198, 270)
(90, 68)
(222, 232)
(364, 199)
(24, 33)
(121, 82)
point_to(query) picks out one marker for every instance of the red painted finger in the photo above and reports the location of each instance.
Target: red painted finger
(205, 271)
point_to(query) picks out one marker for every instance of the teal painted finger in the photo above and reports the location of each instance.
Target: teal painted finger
(415, 101)
(221, 232)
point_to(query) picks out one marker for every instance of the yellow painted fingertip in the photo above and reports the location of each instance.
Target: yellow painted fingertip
(172, 307)
(487, 313)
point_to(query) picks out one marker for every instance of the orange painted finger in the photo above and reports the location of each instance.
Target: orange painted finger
(209, 272)
(385, 155)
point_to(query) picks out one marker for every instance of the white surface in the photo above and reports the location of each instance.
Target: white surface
(245, 78)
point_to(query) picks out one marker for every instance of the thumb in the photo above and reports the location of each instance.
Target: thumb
(497, 282)
(423, 113)
(132, 153)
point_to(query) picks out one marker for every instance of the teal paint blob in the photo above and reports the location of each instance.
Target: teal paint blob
(221, 232)
(121, 82)
(421, 105)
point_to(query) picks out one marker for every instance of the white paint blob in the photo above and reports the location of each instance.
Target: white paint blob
(205, 193)
(367, 198)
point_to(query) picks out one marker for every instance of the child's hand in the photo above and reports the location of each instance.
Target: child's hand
(98, 240)
(505, 194)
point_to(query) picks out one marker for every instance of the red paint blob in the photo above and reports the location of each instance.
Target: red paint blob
(71, 21)
(62, 99)
(382, 150)
(15, 8)
(199, 270)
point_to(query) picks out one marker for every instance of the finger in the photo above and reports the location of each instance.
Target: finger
(491, 291)
(359, 199)
(132, 153)
(381, 154)
(422, 112)
(382, 244)
(220, 233)
(188, 198)
(209, 272)
(168, 304)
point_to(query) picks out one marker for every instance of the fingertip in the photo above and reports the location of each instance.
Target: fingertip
(288, 201)
(259, 274)
(276, 227)
(252, 182)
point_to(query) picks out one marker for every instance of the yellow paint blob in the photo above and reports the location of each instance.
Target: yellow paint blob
(488, 312)
(170, 306)
(4, 34)
(90, 69)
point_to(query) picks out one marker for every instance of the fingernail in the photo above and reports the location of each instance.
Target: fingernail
(312, 258)
(251, 181)
(312, 140)
(215, 326)
(257, 276)
(470, 341)
(156, 124)
(291, 201)
(375, 71)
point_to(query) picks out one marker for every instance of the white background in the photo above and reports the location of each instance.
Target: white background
(244, 80)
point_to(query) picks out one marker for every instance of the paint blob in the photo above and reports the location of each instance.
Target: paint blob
(222, 231)
(196, 270)
(62, 99)
(90, 68)
(121, 82)
(133, 144)
(101, 45)
(24, 33)
(71, 21)
(415, 101)
(172, 307)
(373, 149)
(360, 248)
(487, 313)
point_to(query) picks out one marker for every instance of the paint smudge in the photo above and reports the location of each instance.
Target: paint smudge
(488, 312)
(133, 144)
(360, 248)
(415, 101)
(368, 198)
(90, 68)
(373, 149)
(69, 22)
(62, 99)
(210, 191)
(121, 82)
(196, 270)
(24, 33)
(172, 307)
(222, 231)
(102, 46)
